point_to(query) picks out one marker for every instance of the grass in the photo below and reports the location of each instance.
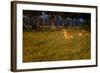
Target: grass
(51, 45)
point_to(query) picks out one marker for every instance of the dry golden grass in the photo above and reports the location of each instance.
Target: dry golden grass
(48, 45)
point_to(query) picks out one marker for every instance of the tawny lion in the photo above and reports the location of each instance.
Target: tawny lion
(67, 34)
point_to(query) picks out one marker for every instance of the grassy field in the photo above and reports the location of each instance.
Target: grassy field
(49, 45)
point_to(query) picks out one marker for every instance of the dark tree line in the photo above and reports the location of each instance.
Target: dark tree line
(37, 19)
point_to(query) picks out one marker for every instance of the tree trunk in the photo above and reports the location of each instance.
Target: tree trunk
(53, 22)
(37, 23)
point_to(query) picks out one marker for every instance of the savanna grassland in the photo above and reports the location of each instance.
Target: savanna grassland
(54, 45)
